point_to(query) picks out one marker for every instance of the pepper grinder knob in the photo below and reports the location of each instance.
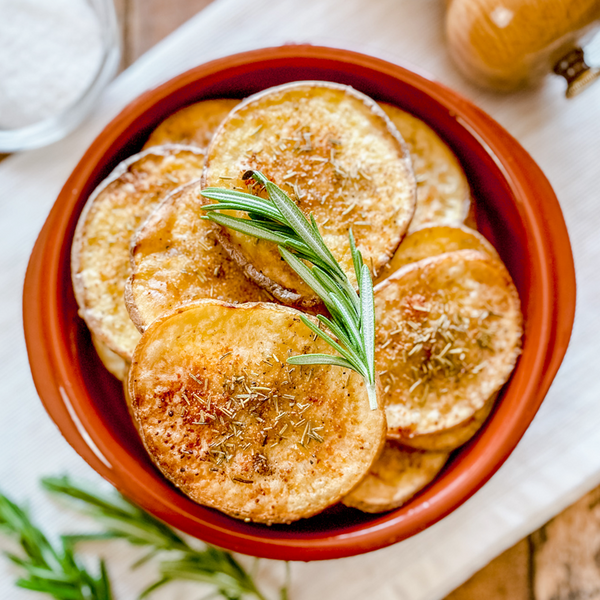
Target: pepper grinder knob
(578, 74)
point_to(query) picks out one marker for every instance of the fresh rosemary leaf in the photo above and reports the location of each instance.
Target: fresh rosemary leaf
(307, 274)
(213, 567)
(283, 593)
(248, 227)
(349, 324)
(304, 250)
(260, 208)
(332, 287)
(322, 359)
(300, 248)
(356, 256)
(50, 569)
(368, 326)
(223, 194)
(337, 331)
(347, 352)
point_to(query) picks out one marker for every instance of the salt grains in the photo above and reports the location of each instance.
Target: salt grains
(50, 53)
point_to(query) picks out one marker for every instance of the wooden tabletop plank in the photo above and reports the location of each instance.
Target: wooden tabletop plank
(508, 577)
(149, 21)
(566, 553)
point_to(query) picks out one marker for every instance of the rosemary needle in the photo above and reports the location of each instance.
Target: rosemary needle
(278, 220)
(50, 569)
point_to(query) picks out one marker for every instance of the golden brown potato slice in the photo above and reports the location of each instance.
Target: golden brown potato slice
(193, 125)
(228, 421)
(114, 364)
(433, 240)
(100, 253)
(176, 258)
(395, 477)
(335, 153)
(450, 439)
(443, 195)
(448, 337)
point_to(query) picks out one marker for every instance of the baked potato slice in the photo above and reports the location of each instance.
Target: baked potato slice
(336, 154)
(176, 258)
(443, 195)
(100, 252)
(193, 125)
(450, 439)
(230, 423)
(396, 476)
(448, 337)
(432, 240)
(113, 363)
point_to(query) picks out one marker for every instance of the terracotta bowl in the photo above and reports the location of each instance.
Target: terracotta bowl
(516, 210)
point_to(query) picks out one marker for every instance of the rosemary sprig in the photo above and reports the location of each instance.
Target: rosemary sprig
(278, 220)
(50, 569)
(180, 560)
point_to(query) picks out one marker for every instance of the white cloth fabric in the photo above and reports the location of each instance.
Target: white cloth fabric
(559, 457)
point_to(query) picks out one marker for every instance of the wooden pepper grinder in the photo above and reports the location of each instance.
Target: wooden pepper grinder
(508, 44)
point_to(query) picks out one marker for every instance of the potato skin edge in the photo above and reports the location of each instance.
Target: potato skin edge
(79, 288)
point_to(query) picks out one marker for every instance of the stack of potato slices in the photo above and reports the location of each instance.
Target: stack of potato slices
(100, 252)
(176, 258)
(199, 320)
(193, 125)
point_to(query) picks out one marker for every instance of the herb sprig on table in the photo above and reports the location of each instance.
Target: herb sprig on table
(278, 220)
(56, 570)
(178, 559)
(51, 569)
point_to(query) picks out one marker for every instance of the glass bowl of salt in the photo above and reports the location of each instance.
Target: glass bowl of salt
(55, 59)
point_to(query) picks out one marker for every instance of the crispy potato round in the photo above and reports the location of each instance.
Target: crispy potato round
(448, 337)
(443, 195)
(100, 252)
(229, 422)
(395, 477)
(433, 240)
(176, 258)
(450, 439)
(114, 364)
(335, 153)
(193, 125)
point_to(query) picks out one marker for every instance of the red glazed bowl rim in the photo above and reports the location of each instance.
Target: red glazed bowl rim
(548, 327)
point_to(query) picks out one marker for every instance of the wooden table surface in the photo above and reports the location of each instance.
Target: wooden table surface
(560, 561)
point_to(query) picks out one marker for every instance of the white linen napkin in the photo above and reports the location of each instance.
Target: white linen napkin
(559, 457)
